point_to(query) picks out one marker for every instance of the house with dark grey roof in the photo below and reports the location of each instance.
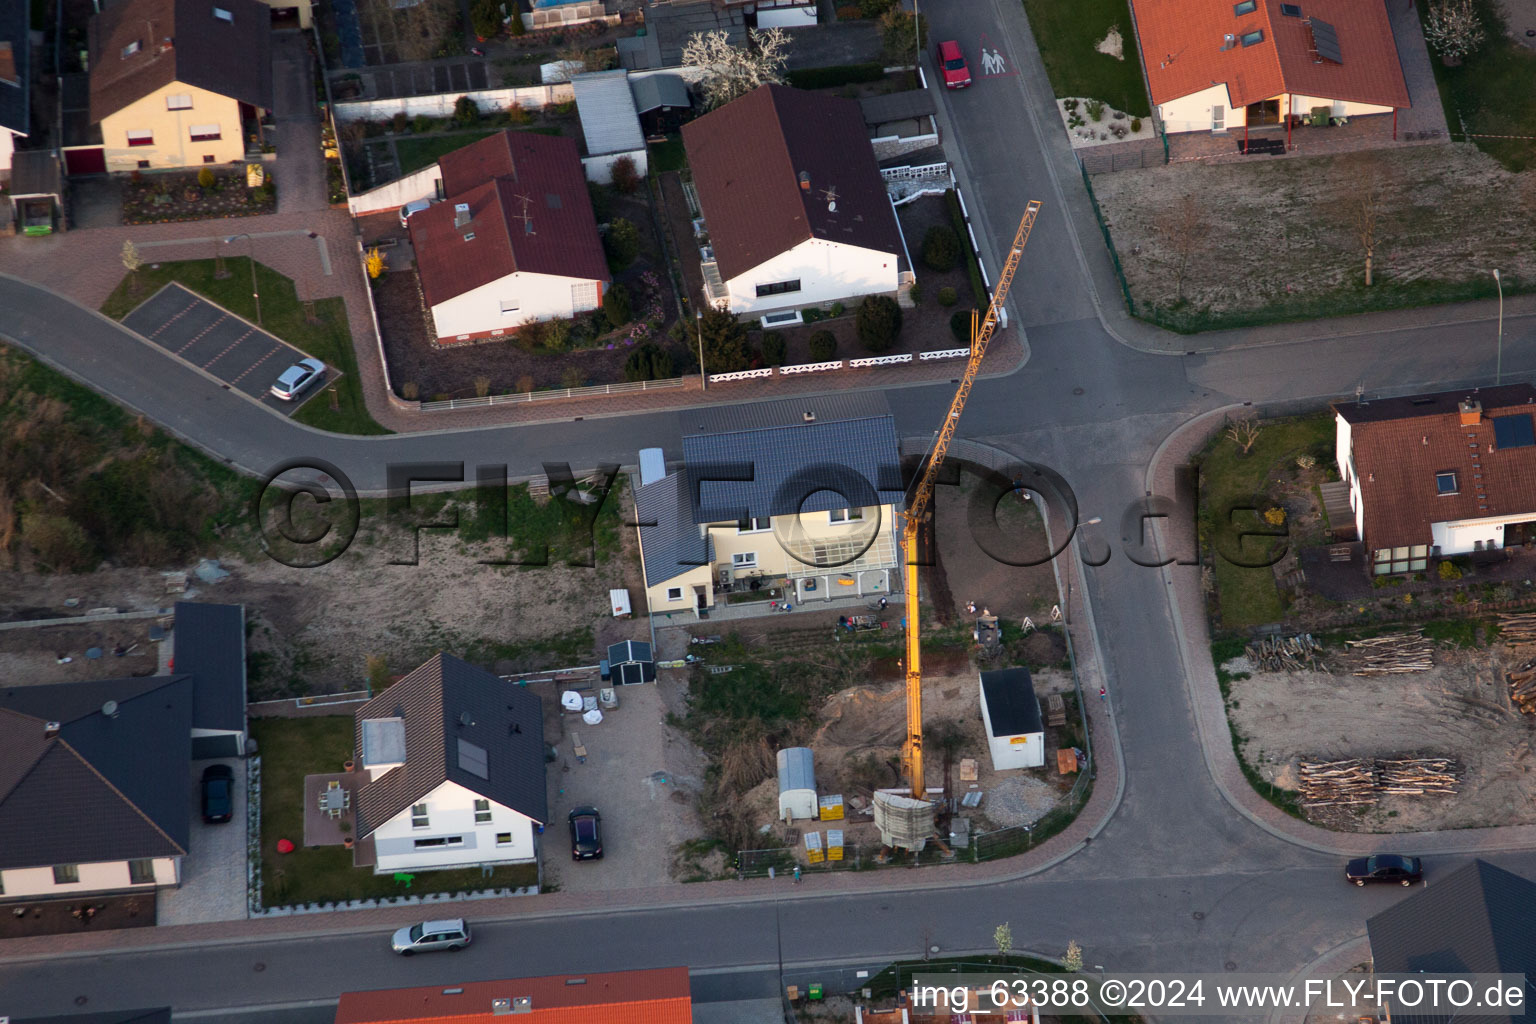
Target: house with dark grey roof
(1442, 474)
(454, 761)
(1479, 919)
(795, 212)
(1011, 712)
(798, 496)
(157, 1015)
(15, 84)
(178, 83)
(209, 646)
(661, 100)
(94, 786)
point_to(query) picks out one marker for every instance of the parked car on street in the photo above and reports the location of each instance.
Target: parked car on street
(298, 378)
(586, 833)
(428, 936)
(952, 66)
(1384, 867)
(218, 794)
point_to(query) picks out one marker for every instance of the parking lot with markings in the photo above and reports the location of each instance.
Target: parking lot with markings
(210, 337)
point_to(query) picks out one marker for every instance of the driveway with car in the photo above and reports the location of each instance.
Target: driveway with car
(213, 873)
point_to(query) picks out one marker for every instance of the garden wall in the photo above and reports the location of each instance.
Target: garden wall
(422, 184)
(441, 104)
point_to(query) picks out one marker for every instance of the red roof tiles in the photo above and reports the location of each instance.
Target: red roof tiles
(659, 996)
(529, 211)
(1184, 48)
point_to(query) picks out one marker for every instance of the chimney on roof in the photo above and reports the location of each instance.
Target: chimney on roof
(50, 730)
(1471, 412)
(805, 182)
(1227, 42)
(808, 416)
(461, 215)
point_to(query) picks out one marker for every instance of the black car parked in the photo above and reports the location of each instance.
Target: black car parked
(586, 833)
(1384, 867)
(218, 793)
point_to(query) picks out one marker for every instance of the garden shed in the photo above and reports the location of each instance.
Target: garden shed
(797, 784)
(1011, 712)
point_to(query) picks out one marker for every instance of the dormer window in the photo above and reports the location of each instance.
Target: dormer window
(223, 15)
(131, 49)
(1445, 483)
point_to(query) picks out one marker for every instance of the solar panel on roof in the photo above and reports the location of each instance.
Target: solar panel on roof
(1326, 41)
(1513, 431)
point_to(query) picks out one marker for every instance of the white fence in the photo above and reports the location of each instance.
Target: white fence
(716, 378)
(441, 104)
(786, 371)
(538, 396)
(855, 364)
(948, 353)
(420, 184)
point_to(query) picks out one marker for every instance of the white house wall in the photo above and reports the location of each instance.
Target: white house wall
(600, 168)
(104, 876)
(1337, 108)
(827, 272)
(7, 147)
(538, 296)
(1344, 455)
(1192, 113)
(1026, 750)
(426, 183)
(451, 812)
(1461, 536)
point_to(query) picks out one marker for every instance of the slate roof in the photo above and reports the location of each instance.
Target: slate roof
(1182, 46)
(492, 176)
(180, 41)
(655, 91)
(609, 121)
(1400, 444)
(505, 721)
(15, 69)
(1012, 707)
(210, 646)
(747, 159)
(657, 996)
(103, 789)
(775, 463)
(1478, 919)
(670, 541)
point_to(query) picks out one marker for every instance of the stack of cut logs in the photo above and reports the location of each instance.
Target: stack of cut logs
(1336, 783)
(1522, 687)
(1362, 780)
(1286, 653)
(1419, 775)
(1393, 654)
(1518, 630)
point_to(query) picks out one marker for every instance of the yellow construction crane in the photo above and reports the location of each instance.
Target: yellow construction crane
(919, 511)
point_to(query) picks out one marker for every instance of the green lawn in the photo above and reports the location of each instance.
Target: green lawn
(283, 314)
(414, 154)
(1248, 596)
(292, 748)
(668, 156)
(1493, 93)
(1067, 30)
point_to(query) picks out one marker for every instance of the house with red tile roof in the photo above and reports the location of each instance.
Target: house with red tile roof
(795, 212)
(515, 240)
(1438, 475)
(1216, 65)
(657, 996)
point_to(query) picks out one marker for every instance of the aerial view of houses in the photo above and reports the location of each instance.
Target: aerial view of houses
(767, 512)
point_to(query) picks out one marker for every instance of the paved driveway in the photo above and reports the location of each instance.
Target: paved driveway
(213, 873)
(236, 351)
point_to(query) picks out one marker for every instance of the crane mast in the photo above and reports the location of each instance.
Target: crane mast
(919, 510)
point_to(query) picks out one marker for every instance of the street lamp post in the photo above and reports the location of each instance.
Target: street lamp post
(1498, 375)
(698, 326)
(255, 290)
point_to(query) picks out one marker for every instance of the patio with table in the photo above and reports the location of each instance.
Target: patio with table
(328, 819)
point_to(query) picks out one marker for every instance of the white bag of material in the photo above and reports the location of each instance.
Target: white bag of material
(592, 717)
(570, 700)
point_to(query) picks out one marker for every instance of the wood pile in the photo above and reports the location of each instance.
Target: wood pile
(1522, 687)
(1394, 654)
(1417, 776)
(1518, 630)
(1287, 653)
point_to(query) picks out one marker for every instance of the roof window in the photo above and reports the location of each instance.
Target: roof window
(1290, 10)
(131, 49)
(1246, 7)
(223, 15)
(1251, 38)
(1445, 483)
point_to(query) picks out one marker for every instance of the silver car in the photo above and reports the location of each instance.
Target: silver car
(431, 935)
(298, 378)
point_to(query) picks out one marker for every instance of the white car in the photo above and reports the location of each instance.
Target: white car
(414, 206)
(298, 378)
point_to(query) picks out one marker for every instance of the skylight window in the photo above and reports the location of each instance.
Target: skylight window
(1445, 483)
(223, 15)
(1290, 10)
(1250, 38)
(131, 49)
(1246, 7)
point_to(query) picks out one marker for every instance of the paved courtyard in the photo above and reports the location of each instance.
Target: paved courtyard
(213, 873)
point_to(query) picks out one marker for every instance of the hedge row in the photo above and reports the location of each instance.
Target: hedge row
(825, 78)
(978, 289)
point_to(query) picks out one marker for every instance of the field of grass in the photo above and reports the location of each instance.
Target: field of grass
(1492, 93)
(292, 748)
(329, 339)
(1067, 31)
(414, 154)
(667, 156)
(1248, 596)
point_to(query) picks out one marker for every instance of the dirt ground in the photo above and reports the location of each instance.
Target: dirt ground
(1246, 235)
(1287, 716)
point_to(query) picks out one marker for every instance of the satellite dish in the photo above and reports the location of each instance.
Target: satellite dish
(464, 718)
(109, 709)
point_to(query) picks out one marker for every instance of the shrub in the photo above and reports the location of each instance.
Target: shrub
(960, 327)
(422, 124)
(823, 345)
(724, 341)
(622, 243)
(648, 362)
(516, 26)
(1449, 571)
(525, 384)
(948, 296)
(409, 391)
(625, 177)
(516, 114)
(941, 248)
(915, 293)
(1096, 109)
(482, 386)
(826, 78)
(205, 177)
(485, 18)
(616, 306)
(559, 336)
(774, 348)
(572, 377)
(399, 123)
(874, 8)
(879, 322)
(836, 309)
(465, 112)
(1135, 124)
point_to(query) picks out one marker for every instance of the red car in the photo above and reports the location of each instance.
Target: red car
(952, 66)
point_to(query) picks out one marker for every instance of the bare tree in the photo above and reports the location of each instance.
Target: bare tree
(1367, 186)
(1184, 227)
(1244, 434)
(1453, 28)
(731, 71)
